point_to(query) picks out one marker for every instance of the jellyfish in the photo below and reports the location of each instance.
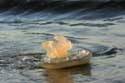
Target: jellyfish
(58, 47)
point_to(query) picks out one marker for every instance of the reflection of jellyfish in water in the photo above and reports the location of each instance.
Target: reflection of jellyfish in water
(66, 75)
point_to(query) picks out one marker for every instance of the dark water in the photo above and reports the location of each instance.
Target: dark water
(97, 26)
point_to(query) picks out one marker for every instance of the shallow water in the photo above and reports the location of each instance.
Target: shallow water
(96, 28)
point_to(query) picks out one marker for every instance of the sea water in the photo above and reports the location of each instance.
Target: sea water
(98, 27)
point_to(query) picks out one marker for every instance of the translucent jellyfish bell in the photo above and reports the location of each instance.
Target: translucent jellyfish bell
(57, 48)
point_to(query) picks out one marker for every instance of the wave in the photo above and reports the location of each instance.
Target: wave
(53, 3)
(28, 11)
